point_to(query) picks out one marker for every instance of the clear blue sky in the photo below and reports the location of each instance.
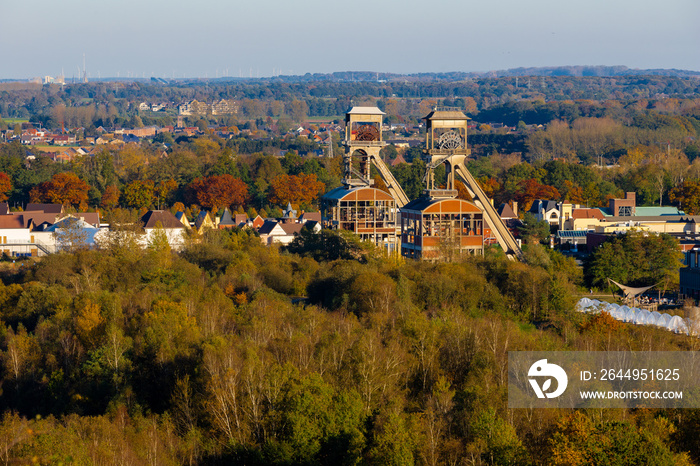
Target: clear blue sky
(259, 37)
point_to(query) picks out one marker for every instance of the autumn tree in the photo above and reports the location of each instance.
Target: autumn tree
(298, 110)
(162, 190)
(214, 192)
(489, 185)
(110, 198)
(296, 189)
(64, 188)
(573, 193)
(687, 195)
(138, 194)
(530, 190)
(5, 186)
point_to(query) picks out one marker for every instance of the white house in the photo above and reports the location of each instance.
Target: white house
(546, 210)
(173, 228)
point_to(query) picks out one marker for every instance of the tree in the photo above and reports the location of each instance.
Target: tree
(218, 191)
(578, 440)
(5, 186)
(296, 189)
(636, 258)
(687, 195)
(163, 190)
(470, 107)
(573, 193)
(327, 245)
(533, 229)
(202, 125)
(298, 110)
(64, 188)
(70, 235)
(530, 190)
(489, 185)
(136, 122)
(110, 198)
(501, 443)
(138, 194)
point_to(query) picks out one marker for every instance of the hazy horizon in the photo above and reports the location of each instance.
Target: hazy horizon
(237, 39)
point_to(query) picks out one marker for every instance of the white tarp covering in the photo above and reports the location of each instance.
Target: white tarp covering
(677, 324)
(641, 317)
(654, 320)
(638, 316)
(663, 321)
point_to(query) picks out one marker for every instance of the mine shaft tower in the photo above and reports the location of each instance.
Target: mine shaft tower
(446, 142)
(357, 206)
(363, 141)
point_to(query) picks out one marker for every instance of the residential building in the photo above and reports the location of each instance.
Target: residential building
(153, 220)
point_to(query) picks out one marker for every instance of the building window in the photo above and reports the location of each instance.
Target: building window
(624, 211)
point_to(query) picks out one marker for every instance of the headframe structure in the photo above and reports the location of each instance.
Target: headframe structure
(446, 143)
(363, 140)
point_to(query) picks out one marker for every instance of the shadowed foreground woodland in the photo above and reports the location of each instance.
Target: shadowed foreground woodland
(207, 356)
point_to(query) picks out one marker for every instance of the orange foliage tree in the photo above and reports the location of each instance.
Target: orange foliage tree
(296, 189)
(602, 322)
(687, 195)
(529, 190)
(5, 186)
(110, 198)
(64, 188)
(489, 185)
(573, 193)
(214, 192)
(462, 191)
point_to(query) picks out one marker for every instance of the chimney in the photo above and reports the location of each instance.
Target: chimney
(515, 208)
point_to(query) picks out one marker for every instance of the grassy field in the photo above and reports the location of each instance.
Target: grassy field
(325, 119)
(12, 121)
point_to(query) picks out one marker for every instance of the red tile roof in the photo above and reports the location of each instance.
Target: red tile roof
(587, 213)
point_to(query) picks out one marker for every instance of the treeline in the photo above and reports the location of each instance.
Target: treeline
(657, 175)
(140, 177)
(204, 357)
(110, 103)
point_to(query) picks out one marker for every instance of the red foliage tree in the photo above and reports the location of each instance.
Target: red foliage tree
(218, 191)
(64, 188)
(5, 186)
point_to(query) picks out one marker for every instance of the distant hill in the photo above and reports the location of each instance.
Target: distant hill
(575, 71)
(601, 71)
(375, 76)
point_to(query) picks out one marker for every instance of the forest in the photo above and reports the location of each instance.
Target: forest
(327, 351)
(209, 356)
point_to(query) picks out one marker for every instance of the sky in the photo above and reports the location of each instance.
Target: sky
(260, 38)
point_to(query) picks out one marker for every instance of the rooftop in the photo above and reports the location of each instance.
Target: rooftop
(365, 111)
